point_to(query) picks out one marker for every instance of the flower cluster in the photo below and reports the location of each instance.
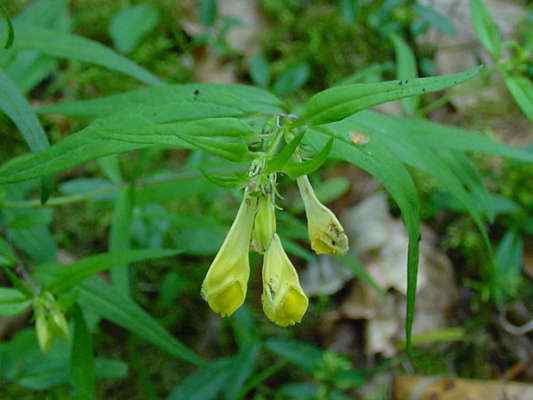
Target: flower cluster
(284, 301)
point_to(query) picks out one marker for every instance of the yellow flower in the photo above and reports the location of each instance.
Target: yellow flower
(224, 286)
(264, 225)
(325, 231)
(284, 301)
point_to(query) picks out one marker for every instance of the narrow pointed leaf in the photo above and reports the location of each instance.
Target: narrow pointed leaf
(120, 237)
(276, 163)
(342, 101)
(486, 28)
(296, 169)
(189, 100)
(522, 90)
(82, 368)
(106, 302)
(67, 278)
(78, 48)
(405, 70)
(16, 107)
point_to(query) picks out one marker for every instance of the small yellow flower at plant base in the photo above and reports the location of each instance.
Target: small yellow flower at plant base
(284, 301)
(224, 286)
(42, 328)
(325, 231)
(49, 320)
(264, 225)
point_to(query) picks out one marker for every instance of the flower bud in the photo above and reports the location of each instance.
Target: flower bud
(264, 225)
(325, 231)
(284, 301)
(57, 318)
(42, 327)
(49, 320)
(224, 286)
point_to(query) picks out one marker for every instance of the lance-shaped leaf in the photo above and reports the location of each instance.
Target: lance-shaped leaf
(12, 301)
(82, 368)
(16, 107)
(405, 69)
(277, 162)
(486, 29)
(342, 101)
(66, 278)
(78, 48)
(296, 169)
(220, 136)
(522, 90)
(231, 100)
(9, 29)
(108, 303)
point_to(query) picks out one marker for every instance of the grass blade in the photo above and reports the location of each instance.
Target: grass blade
(82, 368)
(78, 48)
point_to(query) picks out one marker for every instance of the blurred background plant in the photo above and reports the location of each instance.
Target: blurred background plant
(350, 341)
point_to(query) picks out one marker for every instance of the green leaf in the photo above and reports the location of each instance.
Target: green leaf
(208, 12)
(20, 112)
(12, 301)
(276, 163)
(182, 101)
(204, 384)
(486, 29)
(220, 136)
(225, 375)
(28, 68)
(223, 137)
(506, 276)
(67, 278)
(78, 48)
(10, 36)
(17, 108)
(437, 20)
(242, 366)
(342, 101)
(82, 368)
(292, 79)
(405, 69)
(301, 354)
(129, 26)
(296, 169)
(522, 90)
(259, 70)
(23, 363)
(7, 258)
(110, 304)
(348, 10)
(120, 237)
(225, 181)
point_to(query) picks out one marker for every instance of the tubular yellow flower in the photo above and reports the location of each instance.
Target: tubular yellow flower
(325, 231)
(264, 225)
(284, 301)
(224, 286)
